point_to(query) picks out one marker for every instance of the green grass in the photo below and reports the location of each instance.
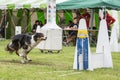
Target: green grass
(51, 66)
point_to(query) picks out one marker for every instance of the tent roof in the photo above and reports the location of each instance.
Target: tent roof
(17, 4)
(75, 4)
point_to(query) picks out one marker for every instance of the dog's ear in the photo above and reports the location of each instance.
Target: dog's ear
(38, 36)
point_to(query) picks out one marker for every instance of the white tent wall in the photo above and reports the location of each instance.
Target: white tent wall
(115, 33)
(4, 4)
(18, 4)
(51, 30)
(54, 38)
(119, 23)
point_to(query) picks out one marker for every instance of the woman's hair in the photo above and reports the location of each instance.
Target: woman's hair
(104, 14)
(75, 18)
(37, 21)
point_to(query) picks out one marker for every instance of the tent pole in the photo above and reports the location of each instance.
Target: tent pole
(11, 19)
(91, 19)
(5, 23)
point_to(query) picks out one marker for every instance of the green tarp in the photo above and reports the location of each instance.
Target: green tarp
(75, 4)
(57, 18)
(96, 15)
(19, 14)
(41, 17)
(28, 22)
(68, 16)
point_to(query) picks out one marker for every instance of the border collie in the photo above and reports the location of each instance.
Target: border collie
(24, 42)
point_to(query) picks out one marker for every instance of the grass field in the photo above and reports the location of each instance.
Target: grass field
(51, 66)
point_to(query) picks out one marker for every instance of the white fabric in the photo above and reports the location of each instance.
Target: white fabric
(115, 33)
(38, 29)
(116, 23)
(97, 60)
(82, 26)
(103, 45)
(103, 38)
(114, 40)
(54, 37)
(19, 3)
(101, 15)
(51, 30)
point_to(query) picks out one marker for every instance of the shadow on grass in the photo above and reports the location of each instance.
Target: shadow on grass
(26, 62)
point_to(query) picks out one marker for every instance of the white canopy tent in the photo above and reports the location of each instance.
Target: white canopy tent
(52, 28)
(17, 4)
(21, 4)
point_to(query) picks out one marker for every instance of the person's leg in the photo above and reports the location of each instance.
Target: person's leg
(71, 38)
(109, 31)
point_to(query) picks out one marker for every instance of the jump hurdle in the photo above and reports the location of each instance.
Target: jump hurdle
(115, 33)
(102, 58)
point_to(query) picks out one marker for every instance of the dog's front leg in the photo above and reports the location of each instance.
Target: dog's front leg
(26, 57)
(22, 59)
(23, 56)
(27, 51)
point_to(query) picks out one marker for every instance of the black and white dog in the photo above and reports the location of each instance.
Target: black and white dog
(24, 42)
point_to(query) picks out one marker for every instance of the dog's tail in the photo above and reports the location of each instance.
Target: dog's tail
(9, 48)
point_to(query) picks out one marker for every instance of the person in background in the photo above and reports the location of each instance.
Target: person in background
(66, 33)
(109, 19)
(3, 24)
(40, 23)
(73, 33)
(35, 26)
(86, 16)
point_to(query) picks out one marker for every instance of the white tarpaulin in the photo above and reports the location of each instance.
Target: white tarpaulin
(51, 30)
(17, 4)
(54, 37)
